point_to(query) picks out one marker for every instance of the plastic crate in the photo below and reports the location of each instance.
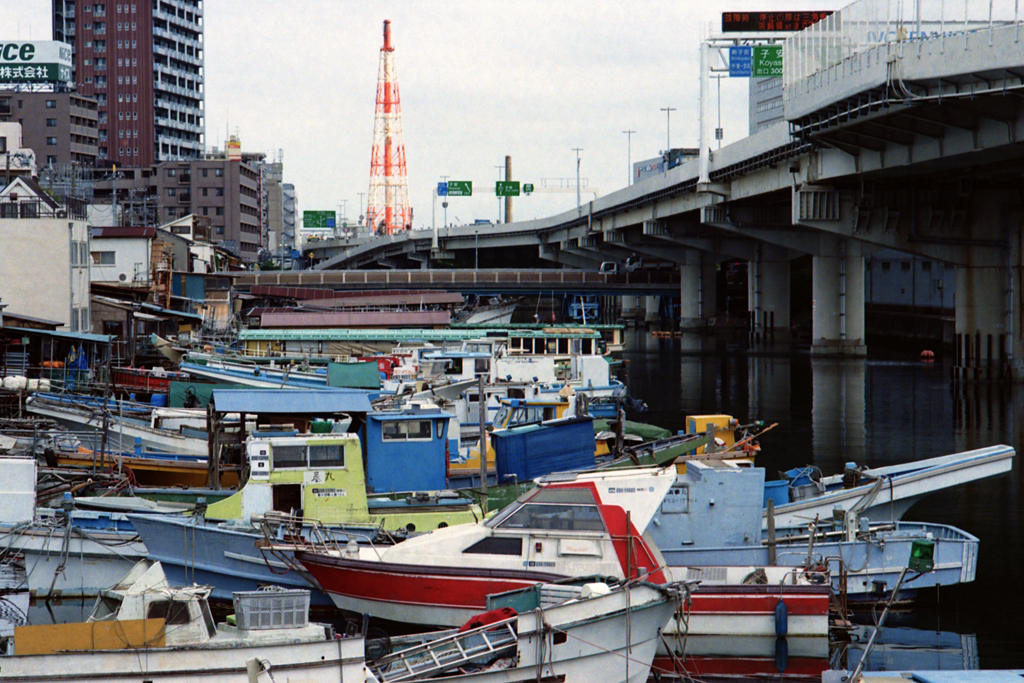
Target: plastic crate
(274, 608)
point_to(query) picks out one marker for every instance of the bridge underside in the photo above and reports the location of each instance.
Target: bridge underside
(929, 162)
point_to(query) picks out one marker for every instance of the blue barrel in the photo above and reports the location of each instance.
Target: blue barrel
(777, 491)
(158, 400)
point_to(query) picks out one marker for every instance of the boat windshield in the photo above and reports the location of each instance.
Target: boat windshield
(561, 509)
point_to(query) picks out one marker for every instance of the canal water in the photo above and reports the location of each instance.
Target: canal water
(889, 408)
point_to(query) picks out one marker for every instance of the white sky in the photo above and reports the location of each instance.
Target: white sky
(478, 80)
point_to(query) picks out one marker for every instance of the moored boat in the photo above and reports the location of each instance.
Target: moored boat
(143, 628)
(881, 494)
(573, 524)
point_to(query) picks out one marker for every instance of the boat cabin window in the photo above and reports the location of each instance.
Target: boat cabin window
(289, 456)
(328, 455)
(555, 517)
(405, 430)
(173, 612)
(496, 545)
(482, 365)
(560, 509)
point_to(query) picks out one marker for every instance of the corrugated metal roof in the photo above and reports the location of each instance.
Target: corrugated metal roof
(291, 402)
(81, 336)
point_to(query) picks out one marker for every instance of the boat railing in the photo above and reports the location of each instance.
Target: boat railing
(284, 533)
(447, 652)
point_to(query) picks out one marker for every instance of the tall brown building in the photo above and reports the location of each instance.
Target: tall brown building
(143, 61)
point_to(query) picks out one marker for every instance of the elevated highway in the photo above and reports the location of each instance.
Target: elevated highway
(912, 145)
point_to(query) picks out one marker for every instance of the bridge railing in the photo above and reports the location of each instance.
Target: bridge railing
(867, 24)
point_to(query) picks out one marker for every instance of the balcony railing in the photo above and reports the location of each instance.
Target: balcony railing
(71, 208)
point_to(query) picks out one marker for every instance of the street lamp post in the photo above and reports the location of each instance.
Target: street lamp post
(668, 123)
(578, 203)
(361, 195)
(444, 204)
(629, 155)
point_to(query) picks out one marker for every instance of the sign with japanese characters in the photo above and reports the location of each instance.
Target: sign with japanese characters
(776, 22)
(740, 60)
(460, 188)
(507, 188)
(318, 219)
(41, 61)
(767, 61)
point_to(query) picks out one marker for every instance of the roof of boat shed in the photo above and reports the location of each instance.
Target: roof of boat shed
(291, 401)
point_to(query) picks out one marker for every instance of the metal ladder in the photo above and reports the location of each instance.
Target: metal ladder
(445, 653)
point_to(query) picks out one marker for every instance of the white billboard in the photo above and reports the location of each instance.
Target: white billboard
(35, 61)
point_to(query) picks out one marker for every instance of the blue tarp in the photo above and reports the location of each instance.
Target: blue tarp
(291, 402)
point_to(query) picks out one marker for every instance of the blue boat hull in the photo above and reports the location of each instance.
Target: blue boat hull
(193, 550)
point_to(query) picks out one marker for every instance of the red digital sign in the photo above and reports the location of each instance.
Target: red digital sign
(751, 22)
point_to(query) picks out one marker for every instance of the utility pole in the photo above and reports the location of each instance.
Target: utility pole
(629, 155)
(579, 205)
(668, 122)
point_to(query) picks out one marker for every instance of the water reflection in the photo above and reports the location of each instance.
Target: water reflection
(875, 411)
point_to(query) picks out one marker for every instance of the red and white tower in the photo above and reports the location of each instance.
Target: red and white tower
(387, 208)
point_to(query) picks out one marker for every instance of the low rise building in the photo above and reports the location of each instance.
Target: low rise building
(44, 265)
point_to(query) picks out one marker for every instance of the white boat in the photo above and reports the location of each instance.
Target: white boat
(494, 312)
(68, 554)
(590, 632)
(883, 494)
(253, 375)
(126, 423)
(143, 629)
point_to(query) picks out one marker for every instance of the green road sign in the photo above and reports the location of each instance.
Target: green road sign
(527, 188)
(767, 61)
(460, 188)
(318, 219)
(507, 188)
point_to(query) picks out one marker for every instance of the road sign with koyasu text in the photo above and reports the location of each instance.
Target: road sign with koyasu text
(460, 188)
(767, 61)
(506, 188)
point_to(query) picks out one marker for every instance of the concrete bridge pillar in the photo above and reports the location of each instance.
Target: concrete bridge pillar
(691, 294)
(652, 313)
(837, 326)
(768, 291)
(709, 288)
(630, 306)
